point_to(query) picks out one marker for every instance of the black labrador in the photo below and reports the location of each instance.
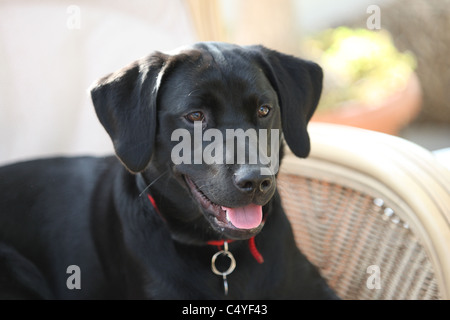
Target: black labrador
(184, 211)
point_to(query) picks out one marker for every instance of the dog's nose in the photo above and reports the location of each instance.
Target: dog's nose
(249, 180)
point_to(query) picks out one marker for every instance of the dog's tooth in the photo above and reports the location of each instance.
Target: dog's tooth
(226, 215)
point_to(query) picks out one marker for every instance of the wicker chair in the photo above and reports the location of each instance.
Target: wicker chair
(372, 212)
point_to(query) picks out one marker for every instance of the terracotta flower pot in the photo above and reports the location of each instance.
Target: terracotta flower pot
(388, 115)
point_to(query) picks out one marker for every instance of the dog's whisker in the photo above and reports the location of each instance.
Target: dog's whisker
(193, 92)
(201, 183)
(201, 186)
(151, 183)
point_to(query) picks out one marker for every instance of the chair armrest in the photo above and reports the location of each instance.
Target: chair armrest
(409, 180)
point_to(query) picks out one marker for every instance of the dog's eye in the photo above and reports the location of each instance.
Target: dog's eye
(195, 116)
(264, 110)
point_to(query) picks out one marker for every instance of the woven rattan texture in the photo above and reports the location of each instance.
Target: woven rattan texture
(362, 247)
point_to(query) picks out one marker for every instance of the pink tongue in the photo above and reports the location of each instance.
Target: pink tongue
(247, 217)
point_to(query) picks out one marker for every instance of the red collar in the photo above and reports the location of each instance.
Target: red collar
(219, 243)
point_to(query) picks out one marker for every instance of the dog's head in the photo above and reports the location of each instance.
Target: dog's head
(212, 117)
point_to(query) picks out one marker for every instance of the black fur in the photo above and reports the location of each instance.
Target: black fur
(95, 213)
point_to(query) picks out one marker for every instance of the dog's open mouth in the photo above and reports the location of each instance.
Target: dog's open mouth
(247, 220)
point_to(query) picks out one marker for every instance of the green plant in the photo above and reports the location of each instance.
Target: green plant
(359, 65)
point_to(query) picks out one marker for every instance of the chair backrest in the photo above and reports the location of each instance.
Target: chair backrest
(372, 212)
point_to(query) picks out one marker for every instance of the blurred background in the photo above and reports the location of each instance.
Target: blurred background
(386, 62)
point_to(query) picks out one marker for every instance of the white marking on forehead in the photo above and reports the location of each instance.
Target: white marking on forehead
(217, 54)
(173, 52)
(158, 79)
(160, 76)
(178, 50)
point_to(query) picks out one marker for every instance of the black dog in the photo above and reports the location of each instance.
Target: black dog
(147, 226)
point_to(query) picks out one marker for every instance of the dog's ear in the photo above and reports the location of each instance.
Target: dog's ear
(126, 105)
(299, 85)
